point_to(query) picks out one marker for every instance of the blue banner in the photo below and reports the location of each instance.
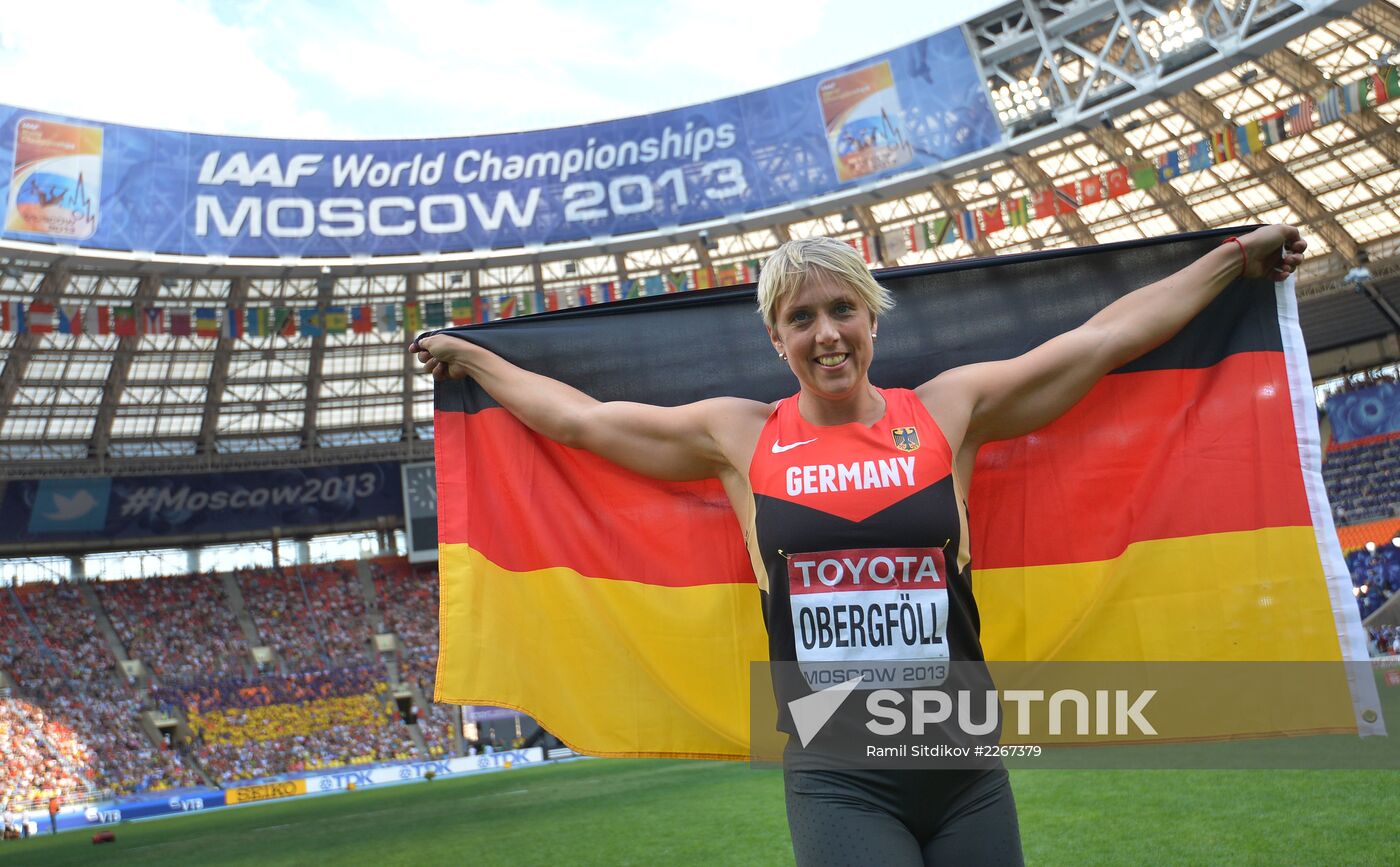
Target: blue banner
(117, 187)
(135, 507)
(1366, 412)
(124, 809)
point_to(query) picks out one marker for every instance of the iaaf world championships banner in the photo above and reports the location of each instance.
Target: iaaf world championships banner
(117, 187)
(140, 507)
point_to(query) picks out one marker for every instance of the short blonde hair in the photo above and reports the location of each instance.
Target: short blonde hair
(804, 259)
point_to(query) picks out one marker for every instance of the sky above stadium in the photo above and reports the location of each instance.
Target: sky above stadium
(425, 68)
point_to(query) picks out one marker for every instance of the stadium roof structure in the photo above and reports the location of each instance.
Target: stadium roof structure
(1080, 86)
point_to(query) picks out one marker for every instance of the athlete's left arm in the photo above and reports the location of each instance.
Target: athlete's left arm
(1005, 399)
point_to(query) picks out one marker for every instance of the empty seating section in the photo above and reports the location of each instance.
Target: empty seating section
(246, 729)
(180, 626)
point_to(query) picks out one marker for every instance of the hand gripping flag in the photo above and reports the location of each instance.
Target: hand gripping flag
(1147, 523)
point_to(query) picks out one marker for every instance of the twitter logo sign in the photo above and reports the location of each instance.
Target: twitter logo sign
(69, 505)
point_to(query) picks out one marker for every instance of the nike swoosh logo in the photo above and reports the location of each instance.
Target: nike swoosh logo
(777, 449)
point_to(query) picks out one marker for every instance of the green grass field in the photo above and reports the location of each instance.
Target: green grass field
(668, 812)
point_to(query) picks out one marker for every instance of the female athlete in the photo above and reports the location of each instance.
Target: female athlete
(845, 466)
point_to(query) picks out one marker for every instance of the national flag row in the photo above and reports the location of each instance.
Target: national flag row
(1379, 87)
(730, 274)
(42, 317)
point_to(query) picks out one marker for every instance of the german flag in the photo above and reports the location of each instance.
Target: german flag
(1175, 514)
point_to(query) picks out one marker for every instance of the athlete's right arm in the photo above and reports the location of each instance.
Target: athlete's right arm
(676, 443)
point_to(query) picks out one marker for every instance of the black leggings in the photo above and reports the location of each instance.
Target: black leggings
(898, 817)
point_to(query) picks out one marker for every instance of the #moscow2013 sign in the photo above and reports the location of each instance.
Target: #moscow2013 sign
(107, 186)
(151, 508)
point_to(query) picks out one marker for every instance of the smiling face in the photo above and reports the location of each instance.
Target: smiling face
(825, 331)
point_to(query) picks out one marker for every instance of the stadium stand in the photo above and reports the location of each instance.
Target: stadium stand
(408, 602)
(246, 729)
(103, 403)
(72, 696)
(65, 649)
(1375, 576)
(40, 759)
(1385, 640)
(1363, 485)
(313, 616)
(1364, 482)
(122, 755)
(1355, 536)
(178, 626)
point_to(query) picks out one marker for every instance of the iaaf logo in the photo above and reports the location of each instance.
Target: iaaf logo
(934, 707)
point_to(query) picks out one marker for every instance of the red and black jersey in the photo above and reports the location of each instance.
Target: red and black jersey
(862, 533)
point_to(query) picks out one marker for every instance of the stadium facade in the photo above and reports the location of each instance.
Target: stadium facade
(204, 336)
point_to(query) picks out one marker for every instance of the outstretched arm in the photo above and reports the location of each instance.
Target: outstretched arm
(675, 443)
(1006, 399)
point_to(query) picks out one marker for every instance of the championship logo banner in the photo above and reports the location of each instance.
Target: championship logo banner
(880, 120)
(55, 179)
(1176, 514)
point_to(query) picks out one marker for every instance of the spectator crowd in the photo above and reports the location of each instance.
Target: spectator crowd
(39, 757)
(178, 626)
(1363, 481)
(313, 616)
(1385, 640)
(408, 602)
(78, 712)
(73, 724)
(246, 729)
(1375, 576)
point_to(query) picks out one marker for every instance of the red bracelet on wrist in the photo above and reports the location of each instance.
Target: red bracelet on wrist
(1244, 257)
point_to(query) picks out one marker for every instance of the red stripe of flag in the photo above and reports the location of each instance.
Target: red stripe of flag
(1226, 465)
(510, 528)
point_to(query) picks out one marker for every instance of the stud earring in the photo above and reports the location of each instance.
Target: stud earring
(873, 335)
(783, 356)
